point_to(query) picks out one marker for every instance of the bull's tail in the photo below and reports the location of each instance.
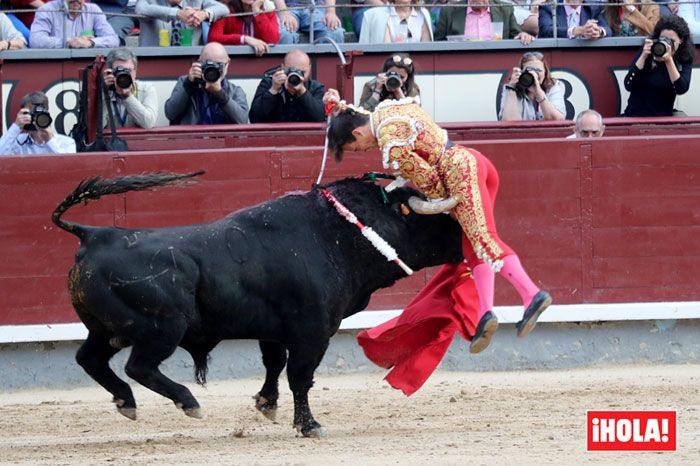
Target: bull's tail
(94, 188)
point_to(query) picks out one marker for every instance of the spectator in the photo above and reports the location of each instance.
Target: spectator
(532, 93)
(654, 81)
(631, 18)
(475, 20)
(23, 21)
(358, 13)
(325, 21)
(575, 21)
(133, 103)
(399, 22)
(690, 12)
(199, 101)
(174, 16)
(121, 24)
(10, 37)
(32, 135)
(376, 90)
(257, 30)
(278, 99)
(589, 124)
(527, 15)
(85, 26)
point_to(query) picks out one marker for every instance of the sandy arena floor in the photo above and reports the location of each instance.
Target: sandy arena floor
(508, 418)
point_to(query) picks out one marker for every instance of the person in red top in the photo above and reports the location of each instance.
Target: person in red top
(257, 30)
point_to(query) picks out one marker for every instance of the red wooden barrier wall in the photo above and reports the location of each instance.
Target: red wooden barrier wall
(605, 220)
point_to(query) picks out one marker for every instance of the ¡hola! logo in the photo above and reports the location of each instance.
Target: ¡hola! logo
(631, 430)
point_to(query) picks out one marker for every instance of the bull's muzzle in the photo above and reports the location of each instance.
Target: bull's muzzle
(431, 208)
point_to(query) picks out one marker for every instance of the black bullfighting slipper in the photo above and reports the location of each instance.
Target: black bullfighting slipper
(488, 324)
(537, 306)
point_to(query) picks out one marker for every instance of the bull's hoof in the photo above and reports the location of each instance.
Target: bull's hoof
(128, 412)
(266, 407)
(194, 412)
(314, 431)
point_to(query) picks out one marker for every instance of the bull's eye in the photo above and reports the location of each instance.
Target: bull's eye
(405, 210)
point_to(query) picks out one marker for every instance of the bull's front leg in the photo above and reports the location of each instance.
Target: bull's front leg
(303, 360)
(274, 356)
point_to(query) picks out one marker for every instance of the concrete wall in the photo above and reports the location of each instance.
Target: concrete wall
(551, 346)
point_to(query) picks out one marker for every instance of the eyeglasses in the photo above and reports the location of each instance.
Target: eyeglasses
(399, 60)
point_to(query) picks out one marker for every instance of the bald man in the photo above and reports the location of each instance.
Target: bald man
(204, 96)
(282, 97)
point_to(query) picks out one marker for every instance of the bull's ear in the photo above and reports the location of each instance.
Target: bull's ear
(405, 210)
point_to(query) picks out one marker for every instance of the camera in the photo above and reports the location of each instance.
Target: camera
(211, 71)
(295, 76)
(526, 78)
(660, 46)
(122, 77)
(393, 80)
(40, 119)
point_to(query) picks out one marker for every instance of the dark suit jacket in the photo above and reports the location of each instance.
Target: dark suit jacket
(587, 12)
(451, 22)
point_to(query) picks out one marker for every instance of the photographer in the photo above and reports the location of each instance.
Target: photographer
(395, 82)
(31, 132)
(204, 96)
(661, 69)
(288, 94)
(134, 103)
(532, 93)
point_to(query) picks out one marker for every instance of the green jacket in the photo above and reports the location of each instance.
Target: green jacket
(451, 22)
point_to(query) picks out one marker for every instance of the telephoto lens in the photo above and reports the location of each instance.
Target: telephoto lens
(211, 71)
(661, 46)
(526, 79)
(40, 119)
(122, 77)
(294, 76)
(393, 81)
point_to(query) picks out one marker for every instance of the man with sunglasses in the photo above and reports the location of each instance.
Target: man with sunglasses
(28, 136)
(133, 103)
(288, 94)
(199, 99)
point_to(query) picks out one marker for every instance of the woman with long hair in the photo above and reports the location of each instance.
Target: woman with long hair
(377, 90)
(258, 29)
(661, 69)
(631, 17)
(532, 93)
(418, 150)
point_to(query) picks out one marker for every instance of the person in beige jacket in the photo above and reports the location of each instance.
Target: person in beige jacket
(632, 17)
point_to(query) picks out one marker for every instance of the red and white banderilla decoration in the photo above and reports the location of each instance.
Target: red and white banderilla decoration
(377, 241)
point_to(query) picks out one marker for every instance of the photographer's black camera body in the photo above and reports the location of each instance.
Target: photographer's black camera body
(393, 81)
(40, 119)
(212, 71)
(122, 77)
(660, 46)
(295, 76)
(526, 79)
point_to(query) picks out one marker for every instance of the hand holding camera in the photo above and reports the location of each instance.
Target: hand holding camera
(391, 81)
(661, 49)
(119, 79)
(33, 120)
(295, 81)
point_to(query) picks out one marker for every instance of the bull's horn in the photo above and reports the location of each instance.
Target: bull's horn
(430, 208)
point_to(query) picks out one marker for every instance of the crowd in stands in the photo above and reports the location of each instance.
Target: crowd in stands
(262, 23)
(287, 93)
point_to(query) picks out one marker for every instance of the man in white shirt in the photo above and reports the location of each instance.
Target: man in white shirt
(31, 132)
(133, 103)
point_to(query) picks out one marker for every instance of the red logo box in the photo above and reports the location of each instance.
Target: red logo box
(631, 430)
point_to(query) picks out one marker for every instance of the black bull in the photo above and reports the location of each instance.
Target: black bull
(285, 272)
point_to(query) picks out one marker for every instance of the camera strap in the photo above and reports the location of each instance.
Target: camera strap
(112, 126)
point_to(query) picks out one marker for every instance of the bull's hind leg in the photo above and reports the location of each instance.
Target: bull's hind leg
(142, 366)
(303, 361)
(274, 356)
(93, 356)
